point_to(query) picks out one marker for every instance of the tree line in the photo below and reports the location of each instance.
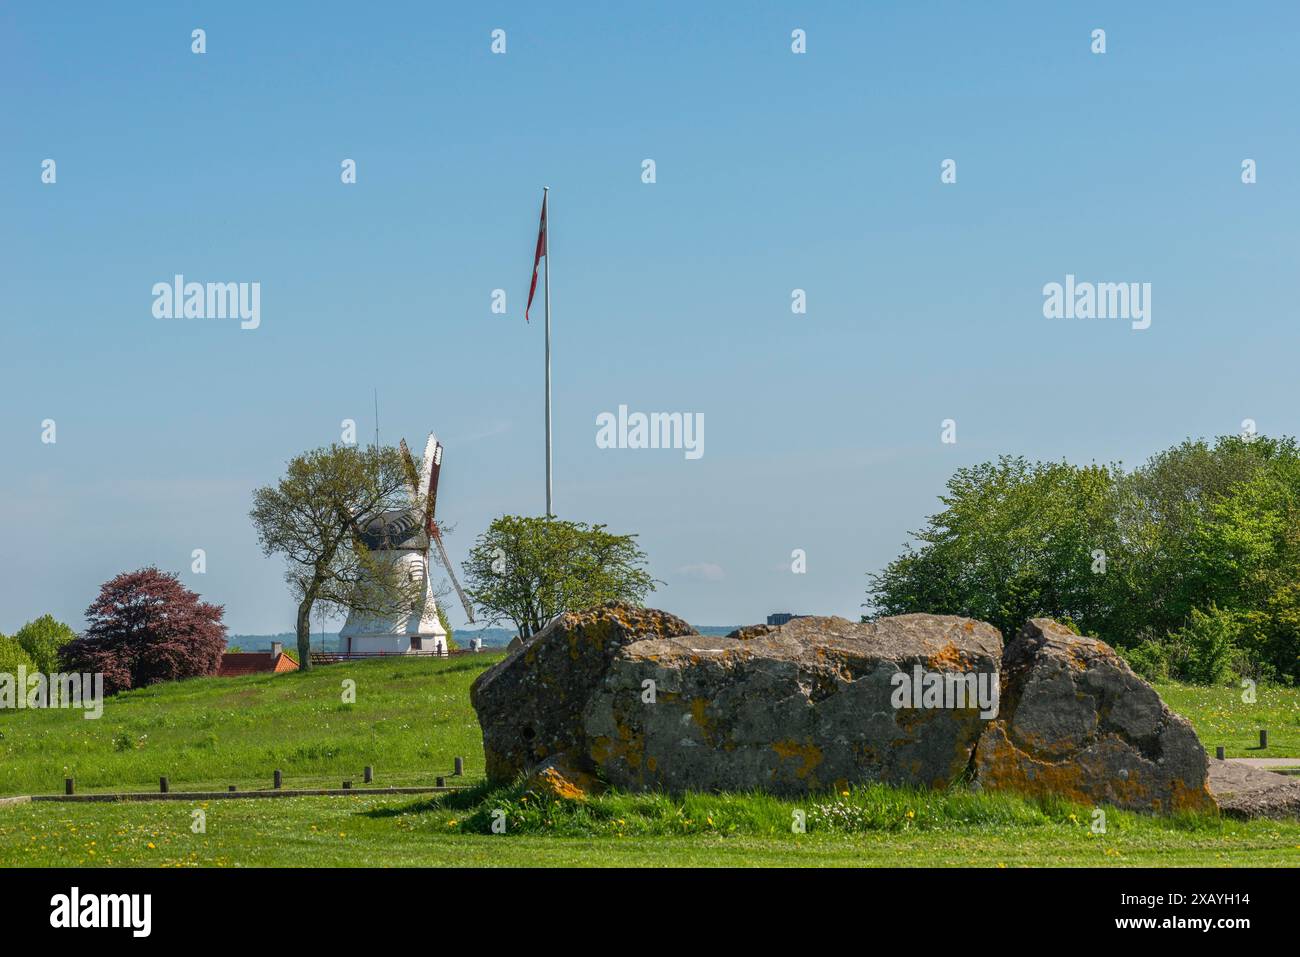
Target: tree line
(1189, 564)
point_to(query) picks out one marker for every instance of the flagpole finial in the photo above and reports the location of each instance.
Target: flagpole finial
(546, 189)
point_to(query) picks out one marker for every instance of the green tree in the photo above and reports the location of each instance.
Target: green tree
(1170, 512)
(12, 656)
(528, 570)
(315, 517)
(1201, 552)
(446, 626)
(42, 639)
(1015, 539)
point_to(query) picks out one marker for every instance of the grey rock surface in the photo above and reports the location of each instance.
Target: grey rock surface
(530, 704)
(791, 709)
(1246, 792)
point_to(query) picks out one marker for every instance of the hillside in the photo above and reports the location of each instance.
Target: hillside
(410, 719)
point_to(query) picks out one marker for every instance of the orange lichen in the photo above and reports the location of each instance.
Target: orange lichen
(947, 657)
(808, 753)
(567, 784)
(1003, 766)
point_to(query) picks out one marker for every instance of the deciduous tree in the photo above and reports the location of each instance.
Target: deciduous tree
(314, 516)
(527, 570)
(147, 627)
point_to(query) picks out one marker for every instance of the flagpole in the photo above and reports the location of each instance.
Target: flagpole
(545, 196)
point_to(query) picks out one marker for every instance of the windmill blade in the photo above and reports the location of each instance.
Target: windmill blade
(432, 464)
(446, 563)
(412, 476)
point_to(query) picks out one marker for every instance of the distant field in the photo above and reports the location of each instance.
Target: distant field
(410, 720)
(1222, 718)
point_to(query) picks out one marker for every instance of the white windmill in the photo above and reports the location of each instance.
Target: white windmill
(402, 537)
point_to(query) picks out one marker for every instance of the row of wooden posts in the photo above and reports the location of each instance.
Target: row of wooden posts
(1263, 743)
(367, 776)
(368, 773)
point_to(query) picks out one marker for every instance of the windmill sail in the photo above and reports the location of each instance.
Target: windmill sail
(426, 488)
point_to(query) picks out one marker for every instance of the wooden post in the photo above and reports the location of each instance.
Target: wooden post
(460, 767)
(440, 782)
(69, 785)
(1263, 738)
(279, 778)
(162, 784)
(369, 774)
(1218, 752)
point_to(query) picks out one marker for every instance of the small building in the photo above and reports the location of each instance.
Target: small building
(782, 618)
(275, 661)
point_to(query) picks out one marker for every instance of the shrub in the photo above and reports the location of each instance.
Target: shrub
(1149, 659)
(1210, 638)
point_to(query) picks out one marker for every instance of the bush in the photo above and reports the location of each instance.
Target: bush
(1149, 659)
(42, 639)
(1210, 639)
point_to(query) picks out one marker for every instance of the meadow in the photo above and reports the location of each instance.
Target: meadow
(411, 719)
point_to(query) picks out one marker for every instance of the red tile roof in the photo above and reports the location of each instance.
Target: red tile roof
(238, 663)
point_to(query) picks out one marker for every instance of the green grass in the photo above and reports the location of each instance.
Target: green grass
(869, 827)
(410, 720)
(1222, 718)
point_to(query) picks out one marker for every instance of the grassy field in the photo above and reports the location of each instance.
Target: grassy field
(1222, 718)
(410, 720)
(870, 827)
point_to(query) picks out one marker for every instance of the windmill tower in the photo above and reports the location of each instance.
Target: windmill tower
(403, 537)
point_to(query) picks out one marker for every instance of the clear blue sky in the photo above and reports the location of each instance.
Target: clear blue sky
(775, 171)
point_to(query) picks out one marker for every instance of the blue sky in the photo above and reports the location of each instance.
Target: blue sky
(775, 171)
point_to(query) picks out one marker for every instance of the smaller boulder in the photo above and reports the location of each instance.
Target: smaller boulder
(1078, 723)
(1246, 792)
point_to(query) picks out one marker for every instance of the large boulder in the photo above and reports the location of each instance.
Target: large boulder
(1078, 723)
(530, 705)
(792, 709)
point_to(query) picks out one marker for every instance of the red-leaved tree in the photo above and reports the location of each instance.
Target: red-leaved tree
(147, 627)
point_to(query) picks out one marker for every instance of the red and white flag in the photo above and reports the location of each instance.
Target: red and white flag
(537, 258)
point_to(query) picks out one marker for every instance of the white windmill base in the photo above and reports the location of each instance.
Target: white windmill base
(416, 633)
